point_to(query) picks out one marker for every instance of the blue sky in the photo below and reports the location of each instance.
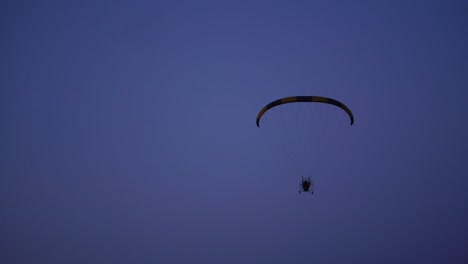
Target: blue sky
(128, 132)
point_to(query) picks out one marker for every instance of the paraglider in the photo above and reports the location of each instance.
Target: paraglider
(306, 184)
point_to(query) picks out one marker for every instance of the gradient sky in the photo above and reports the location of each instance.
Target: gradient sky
(128, 132)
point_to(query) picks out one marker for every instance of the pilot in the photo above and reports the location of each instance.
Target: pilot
(305, 185)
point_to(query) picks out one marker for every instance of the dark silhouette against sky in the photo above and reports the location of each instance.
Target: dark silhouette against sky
(128, 132)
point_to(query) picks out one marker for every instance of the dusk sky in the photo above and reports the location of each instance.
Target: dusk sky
(128, 135)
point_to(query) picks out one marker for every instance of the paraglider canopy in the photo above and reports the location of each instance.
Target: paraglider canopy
(309, 99)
